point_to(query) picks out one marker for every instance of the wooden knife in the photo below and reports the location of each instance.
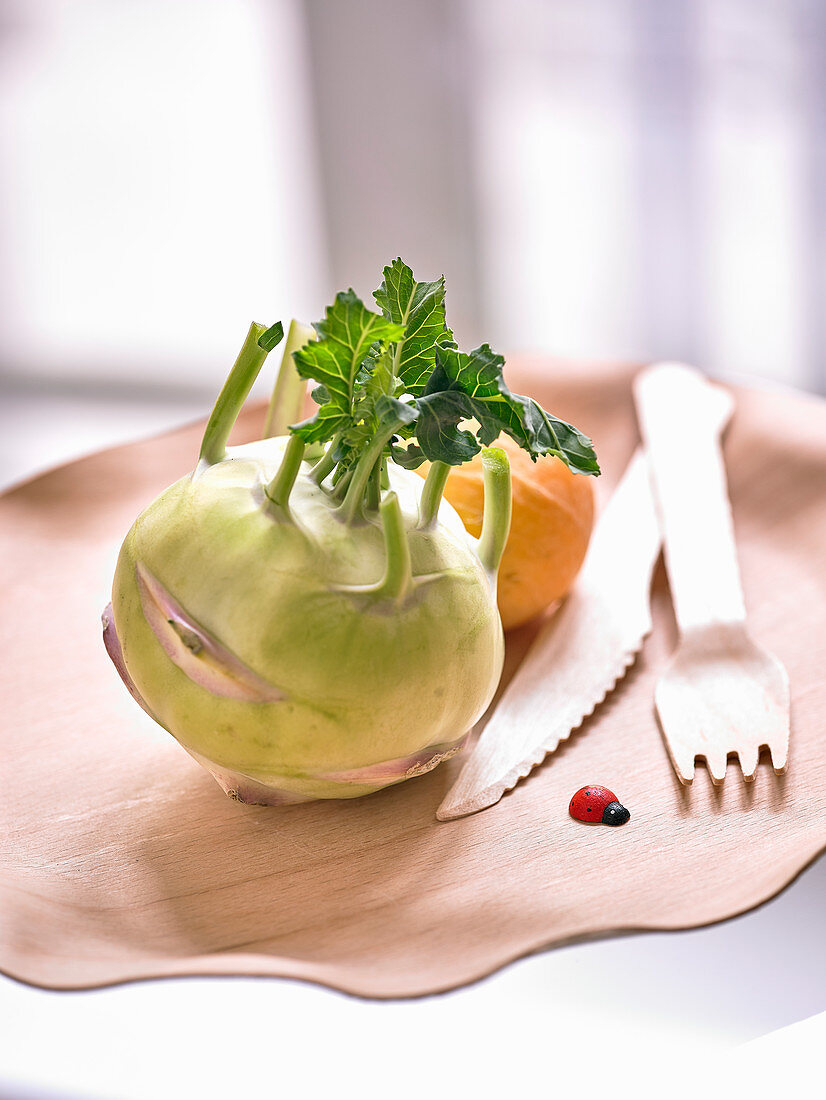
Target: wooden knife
(577, 657)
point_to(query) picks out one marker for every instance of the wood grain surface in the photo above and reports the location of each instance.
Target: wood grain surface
(120, 858)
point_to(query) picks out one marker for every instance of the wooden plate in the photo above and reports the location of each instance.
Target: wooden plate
(121, 859)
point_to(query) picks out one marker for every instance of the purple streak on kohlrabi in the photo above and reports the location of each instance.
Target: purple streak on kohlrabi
(195, 651)
(113, 648)
(244, 788)
(405, 767)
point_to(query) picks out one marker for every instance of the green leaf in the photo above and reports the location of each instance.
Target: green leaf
(554, 436)
(478, 376)
(420, 308)
(323, 426)
(376, 376)
(393, 413)
(410, 457)
(364, 363)
(347, 334)
(437, 431)
(272, 337)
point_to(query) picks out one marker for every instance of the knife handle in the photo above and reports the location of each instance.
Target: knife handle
(682, 417)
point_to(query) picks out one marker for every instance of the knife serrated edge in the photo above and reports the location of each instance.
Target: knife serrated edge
(491, 794)
(632, 500)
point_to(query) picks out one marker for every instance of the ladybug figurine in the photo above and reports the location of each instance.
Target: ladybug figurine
(598, 806)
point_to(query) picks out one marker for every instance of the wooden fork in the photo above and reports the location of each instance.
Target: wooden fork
(722, 694)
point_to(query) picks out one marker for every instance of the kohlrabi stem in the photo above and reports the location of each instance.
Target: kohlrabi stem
(398, 573)
(279, 489)
(374, 487)
(431, 498)
(496, 518)
(259, 342)
(326, 464)
(288, 393)
(340, 487)
(354, 497)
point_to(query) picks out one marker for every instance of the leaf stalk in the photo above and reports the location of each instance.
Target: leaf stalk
(431, 498)
(235, 392)
(279, 489)
(287, 401)
(352, 504)
(326, 464)
(374, 487)
(496, 518)
(397, 581)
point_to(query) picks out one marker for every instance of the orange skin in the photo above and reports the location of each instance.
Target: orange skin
(553, 514)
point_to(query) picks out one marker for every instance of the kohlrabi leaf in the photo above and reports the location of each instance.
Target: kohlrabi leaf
(323, 426)
(272, 337)
(437, 430)
(420, 308)
(374, 380)
(391, 413)
(376, 375)
(410, 457)
(346, 336)
(478, 377)
(396, 386)
(375, 384)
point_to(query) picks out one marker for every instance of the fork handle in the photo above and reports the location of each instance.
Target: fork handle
(682, 417)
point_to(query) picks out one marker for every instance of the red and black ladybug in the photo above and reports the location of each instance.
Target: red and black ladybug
(598, 806)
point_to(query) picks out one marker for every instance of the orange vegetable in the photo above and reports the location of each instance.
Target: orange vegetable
(553, 514)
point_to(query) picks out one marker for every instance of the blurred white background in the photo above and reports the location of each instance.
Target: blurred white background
(158, 190)
(601, 178)
(158, 187)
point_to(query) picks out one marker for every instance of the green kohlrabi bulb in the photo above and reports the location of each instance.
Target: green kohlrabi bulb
(276, 651)
(307, 631)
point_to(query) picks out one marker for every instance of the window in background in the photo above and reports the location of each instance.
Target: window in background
(652, 179)
(555, 161)
(395, 90)
(612, 178)
(159, 187)
(600, 178)
(659, 185)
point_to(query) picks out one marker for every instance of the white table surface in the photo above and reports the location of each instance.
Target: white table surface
(635, 1005)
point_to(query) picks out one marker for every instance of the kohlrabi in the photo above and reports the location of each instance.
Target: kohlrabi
(304, 613)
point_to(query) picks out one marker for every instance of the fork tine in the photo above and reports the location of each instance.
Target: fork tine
(779, 752)
(716, 760)
(749, 755)
(683, 760)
